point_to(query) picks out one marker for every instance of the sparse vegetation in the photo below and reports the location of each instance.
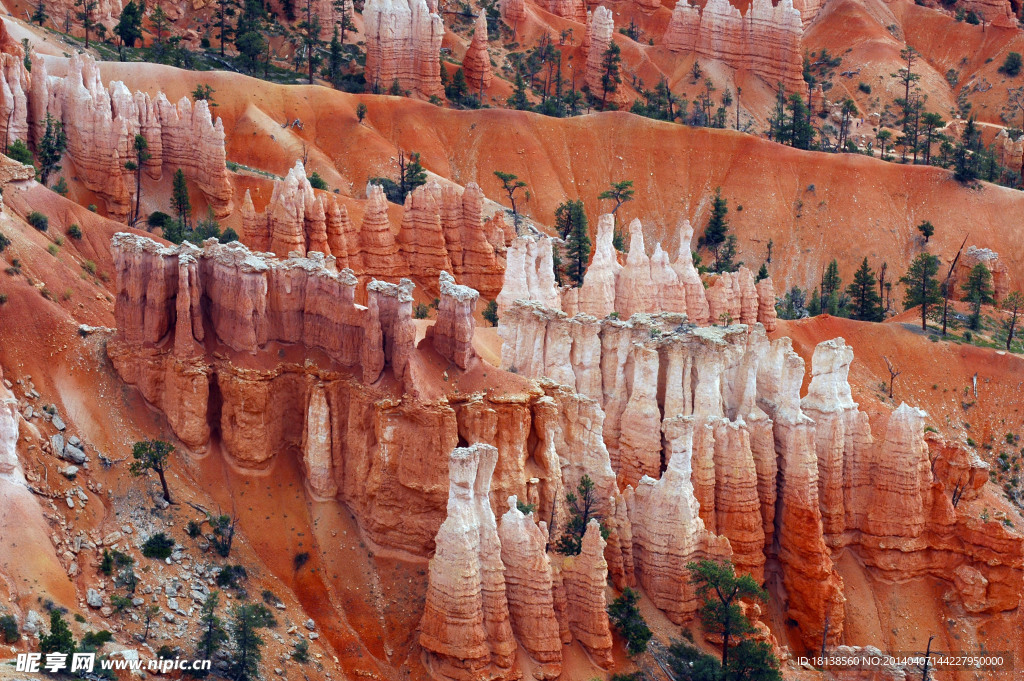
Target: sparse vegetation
(38, 220)
(158, 546)
(152, 455)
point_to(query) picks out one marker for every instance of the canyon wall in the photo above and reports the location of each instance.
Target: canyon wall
(101, 124)
(403, 45)
(765, 41)
(442, 229)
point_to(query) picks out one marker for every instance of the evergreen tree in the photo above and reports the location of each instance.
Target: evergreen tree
(519, 100)
(571, 223)
(212, 634)
(582, 508)
(152, 455)
(831, 289)
(309, 32)
(490, 313)
(249, 40)
(814, 306)
(610, 76)
(159, 25)
(619, 192)
(335, 60)
(511, 184)
(927, 229)
(129, 26)
(922, 286)
(343, 22)
(1013, 305)
(141, 148)
(721, 591)
(762, 273)
(59, 640)
(224, 11)
(87, 15)
(626, 618)
(413, 174)
(978, 291)
(39, 15)
(457, 90)
(181, 204)
(246, 621)
(863, 292)
(51, 148)
(20, 152)
(752, 661)
(717, 228)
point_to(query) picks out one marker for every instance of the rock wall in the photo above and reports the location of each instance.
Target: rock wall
(442, 229)
(101, 124)
(765, 41)
(8, 431)
(403, 43)
(452, 334)
(771, 476)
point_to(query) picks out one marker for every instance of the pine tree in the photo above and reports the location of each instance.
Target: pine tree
(718, 227)
(927, 229)
(519, 100)
(309, 30)
(571, 223)
(39, 15)
(59, 640)
(141, 148)
(721, 591)
(335, 60)
(610, 76)
(87, 15)
(51, 148)
(922, 286)
(626, 618)
(129, 26)
(344, 22)
(978, 291)
(582, 508)
(831, 288)
(211, 627)
(249, 40)
(224, 10)
(414, 174)
(152, 455)
(181, 204)
(867, 303)
(458, 89)
(762, 273)
(247, 619)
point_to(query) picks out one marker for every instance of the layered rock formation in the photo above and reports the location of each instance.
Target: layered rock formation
(465, 628)
(996, 12)
(14, 86)
(575, 10)
(297, 219)
(101, 124)
(765, 41)
(644, 285)
(403, 45)
(452, 334)
(971, 257)
(476, 64)
(529, 587)
(600, 30)
(512, 11)
(585, 577)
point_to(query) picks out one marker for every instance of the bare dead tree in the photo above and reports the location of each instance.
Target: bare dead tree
(893, 373)
(927, 659)
(958, 490)
(945, 285)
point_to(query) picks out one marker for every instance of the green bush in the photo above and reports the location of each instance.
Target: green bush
(420, 311)
(490, 313)
(158, 546)
(864, 87)
(9, 629)
(301, 652)
(97, 639)
(229, 576)
(75, 232)
(20, 153)
(318, 182)
(1011, 66)
(627, 620)
(4, 242)
(89, 266)
(39, 221)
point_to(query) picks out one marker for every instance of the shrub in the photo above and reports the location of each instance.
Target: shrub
(61, 186)
(301, 652)
(120, 603)
(300, 559)
(420, 311)
(39, 221)
(316, 181)
(53, 249)
(229, 575)
(3, 298)
(4, 242)
(227, 236)
(490, 313)
(158, 546)
(96, 639)
(1011, 66)
(92, 207)
(158, 219)
(193, 529)
(89, 266)
(20, 152)
(75, 232)
(628, 621)
(9, 629)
